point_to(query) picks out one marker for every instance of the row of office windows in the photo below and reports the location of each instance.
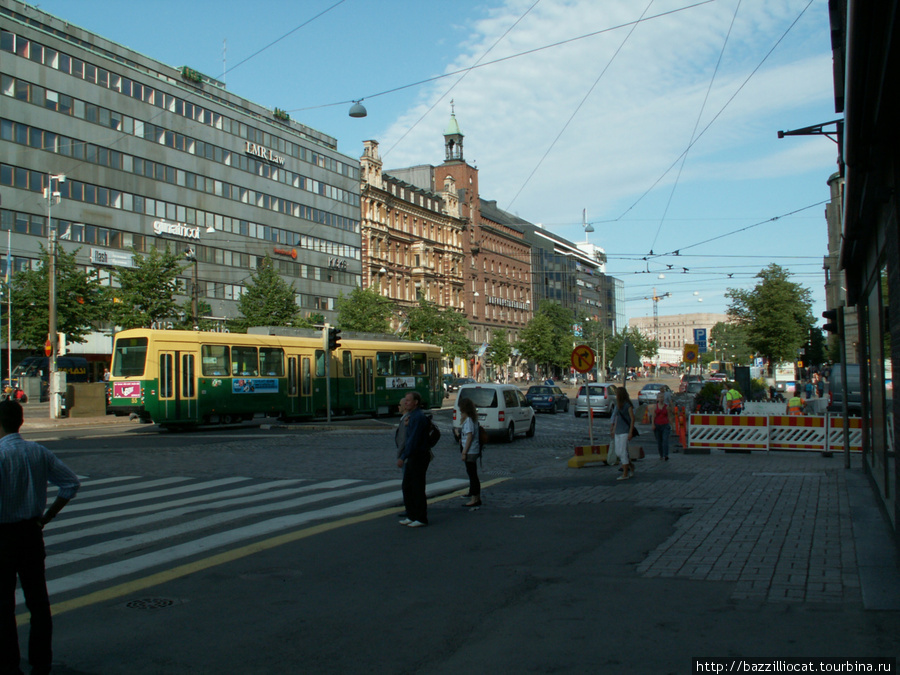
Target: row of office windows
(109, 119)
(75, 190)
(38, 53)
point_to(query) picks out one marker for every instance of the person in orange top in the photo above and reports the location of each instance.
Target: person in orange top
(795, 404)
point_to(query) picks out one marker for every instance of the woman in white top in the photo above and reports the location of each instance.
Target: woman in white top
(471, 449)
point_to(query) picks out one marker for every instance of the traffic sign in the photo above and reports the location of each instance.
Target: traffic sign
(700, 339)
(691, 353)
(48, 348)
(582, 358)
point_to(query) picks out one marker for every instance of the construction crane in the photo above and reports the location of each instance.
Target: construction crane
(655, 298)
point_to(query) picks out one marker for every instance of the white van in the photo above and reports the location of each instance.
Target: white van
(503, 410)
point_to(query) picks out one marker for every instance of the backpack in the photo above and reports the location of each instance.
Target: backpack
(482, 437)
(433, 434)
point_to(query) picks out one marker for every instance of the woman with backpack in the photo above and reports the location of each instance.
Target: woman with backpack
(471, 449)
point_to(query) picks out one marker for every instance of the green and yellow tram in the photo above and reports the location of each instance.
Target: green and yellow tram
(187, 378)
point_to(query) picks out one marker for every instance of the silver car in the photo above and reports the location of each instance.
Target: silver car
(603, 398)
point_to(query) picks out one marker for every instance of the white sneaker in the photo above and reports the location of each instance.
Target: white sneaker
(416, 523)
(405, 521)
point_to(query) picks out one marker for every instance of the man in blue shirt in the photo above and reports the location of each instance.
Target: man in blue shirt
(416, 456)
(25, 470)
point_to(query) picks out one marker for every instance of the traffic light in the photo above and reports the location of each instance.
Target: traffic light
(334, 338)
(832, 325)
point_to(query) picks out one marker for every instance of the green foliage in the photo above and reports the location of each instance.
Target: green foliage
(644, 346)
(758, 388)
(815, 347)
(146, 292)
(80, 301)
(776, 313)
(184, 319)
(547, 340)
(267, 300)
(710, 394)
(365, 310)
(439, 326)
(728, 342)
(499, 349)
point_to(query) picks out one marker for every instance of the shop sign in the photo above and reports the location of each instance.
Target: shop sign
(176, 229)
(263, 153)
(102, 256)
(337, 263)
(291, 253)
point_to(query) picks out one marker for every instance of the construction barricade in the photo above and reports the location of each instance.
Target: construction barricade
(772, 432)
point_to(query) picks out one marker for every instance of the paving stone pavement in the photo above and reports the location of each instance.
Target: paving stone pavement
(778, 524)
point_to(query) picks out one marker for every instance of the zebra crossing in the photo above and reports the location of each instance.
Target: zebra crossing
(122, 526)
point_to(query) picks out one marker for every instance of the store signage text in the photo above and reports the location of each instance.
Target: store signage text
(337, 264)
(264, 153)
(504, 302)
(176, 229)
(100, 256)
(292, 253)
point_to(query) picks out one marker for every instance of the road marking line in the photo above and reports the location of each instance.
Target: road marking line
(165, 576)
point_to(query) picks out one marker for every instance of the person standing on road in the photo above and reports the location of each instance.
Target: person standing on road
(400, 435)
(471, 449)
(414, 460)
(25, 469)
(622, 430)
(662, 415)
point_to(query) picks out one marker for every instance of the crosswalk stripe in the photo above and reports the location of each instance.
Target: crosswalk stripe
(156, 494)
(170, 510)
(115, 570)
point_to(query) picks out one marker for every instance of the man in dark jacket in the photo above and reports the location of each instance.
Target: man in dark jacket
(416, 455)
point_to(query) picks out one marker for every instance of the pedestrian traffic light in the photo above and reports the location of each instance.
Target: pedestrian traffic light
(334, 338)
(831, 316)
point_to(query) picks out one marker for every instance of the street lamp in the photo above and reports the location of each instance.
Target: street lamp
(52, 338)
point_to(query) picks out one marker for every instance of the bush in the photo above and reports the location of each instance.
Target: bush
(709, 396)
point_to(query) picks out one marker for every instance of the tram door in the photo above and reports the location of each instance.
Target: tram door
(369, 383)
(306, 399)
(177, 386)
(293, 387)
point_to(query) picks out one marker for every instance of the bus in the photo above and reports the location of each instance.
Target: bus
(188, 378)
(725, 367)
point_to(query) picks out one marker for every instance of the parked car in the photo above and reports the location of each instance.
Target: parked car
(458, 382)
(685, 379)
(602, 399)
(718, 377)
(694, 386)
(649, 392)
(551, 399)
(503, 410)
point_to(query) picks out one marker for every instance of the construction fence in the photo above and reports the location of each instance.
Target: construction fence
(814, 433)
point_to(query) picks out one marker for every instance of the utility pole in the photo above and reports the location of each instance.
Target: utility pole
(52, 333)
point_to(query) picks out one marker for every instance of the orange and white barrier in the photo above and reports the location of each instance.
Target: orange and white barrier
(772, 432)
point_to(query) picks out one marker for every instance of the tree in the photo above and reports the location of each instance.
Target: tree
(539, 344)
(443, 327)
(267, 300)
(365, 310)
(79, 301)
(185, 320)
(146, 292)
(776, 313)
(499, 350)
(731, 340)
(644, 346)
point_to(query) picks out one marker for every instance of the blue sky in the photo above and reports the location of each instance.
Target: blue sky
(663, 130)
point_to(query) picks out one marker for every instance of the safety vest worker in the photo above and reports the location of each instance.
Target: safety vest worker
(735, 401)
(795, 405)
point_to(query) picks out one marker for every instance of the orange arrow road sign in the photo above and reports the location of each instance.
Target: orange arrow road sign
(582, 358)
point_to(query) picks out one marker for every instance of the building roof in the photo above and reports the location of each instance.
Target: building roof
(453, 127)
(490, 211)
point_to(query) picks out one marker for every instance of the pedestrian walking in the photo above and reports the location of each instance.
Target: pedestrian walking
(471, 450)
(414, 461)
(622, 430)
(662, 415)
(400, 435)
(25, 470)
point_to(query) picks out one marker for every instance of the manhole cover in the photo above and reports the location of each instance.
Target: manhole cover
(150, 603)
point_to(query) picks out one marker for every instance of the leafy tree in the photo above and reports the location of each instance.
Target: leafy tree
(79, 301)
(644, 346)
(443, 327)
(499, 350)
(730, 340)
(539, 343)
(776, 313)
(365, 310)
(146, 292)
(185, 319)
(267, 300)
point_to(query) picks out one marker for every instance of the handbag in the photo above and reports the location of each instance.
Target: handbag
(635, 433)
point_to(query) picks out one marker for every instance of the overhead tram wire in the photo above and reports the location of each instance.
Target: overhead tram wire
(580, 104)
(504, 58)
(696, 126)
(716, 117)
(453, 86)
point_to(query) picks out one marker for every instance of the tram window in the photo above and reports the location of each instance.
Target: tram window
(359, 383)
(307, 380)
(244, 362)
(130, 357)
(187, 375)
(292, 376)
(214, 360)
(320, 363)
(370, 377)
(403, 364)
(166, 375)
(420, 363)
(271, 361)
(347, 364)
(384, 364)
